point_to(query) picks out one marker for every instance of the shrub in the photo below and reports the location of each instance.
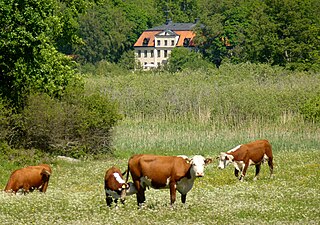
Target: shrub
(311, 109)
(182, 58)
(75, 126)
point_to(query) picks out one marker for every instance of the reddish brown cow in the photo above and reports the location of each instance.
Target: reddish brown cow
(29, 179)
(253, 153)
(173, 172)
(115, 187)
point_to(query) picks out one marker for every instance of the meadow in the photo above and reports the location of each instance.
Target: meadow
(189, 113)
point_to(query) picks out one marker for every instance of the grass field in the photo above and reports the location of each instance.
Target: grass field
(190, 113)
(76, 196)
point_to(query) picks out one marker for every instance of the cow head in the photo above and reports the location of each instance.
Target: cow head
(122, 187)
(198, 163)
(224, 160)
(45, 174)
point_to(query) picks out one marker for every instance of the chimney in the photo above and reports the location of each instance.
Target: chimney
(168, 21)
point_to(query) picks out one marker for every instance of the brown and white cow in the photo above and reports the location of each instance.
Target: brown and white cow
(253, 153)
(115, 187)
(29, 179)
(160, 172)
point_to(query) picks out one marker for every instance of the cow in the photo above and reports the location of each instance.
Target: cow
(115, 187)
(253, 153)
(161, 172)
(29, 178)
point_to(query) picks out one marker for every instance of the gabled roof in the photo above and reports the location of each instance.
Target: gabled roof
(174, 26)
(183, 30)
(167, 33)
(150, 35)
(146, 34)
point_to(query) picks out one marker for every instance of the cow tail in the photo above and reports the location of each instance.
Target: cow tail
(128, 171)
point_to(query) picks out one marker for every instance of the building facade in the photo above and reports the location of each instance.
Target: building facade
(154, 46)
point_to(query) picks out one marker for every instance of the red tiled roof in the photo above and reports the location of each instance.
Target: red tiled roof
(150, 35)
(146, 34)
(185, 34)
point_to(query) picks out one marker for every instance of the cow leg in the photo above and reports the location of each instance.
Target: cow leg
(173, 193)
(108, 200)
(243, 172)
(44, 186)
(270, 163)
(183, 198)
(258, 166)
(141, 198)
(236, 172)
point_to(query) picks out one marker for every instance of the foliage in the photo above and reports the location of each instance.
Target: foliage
(311, 109)
(281, 33)
(178, 10)
(5, 114)
(183, 58)
(29, 61)
(109, 29)
(75, 126)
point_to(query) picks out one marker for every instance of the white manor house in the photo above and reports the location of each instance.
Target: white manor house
(154, 46)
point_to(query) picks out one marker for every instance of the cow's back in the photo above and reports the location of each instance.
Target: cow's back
(257, 149)
(24, 177)
(157, 168)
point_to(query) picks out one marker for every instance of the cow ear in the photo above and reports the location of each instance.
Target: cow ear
(188, 160)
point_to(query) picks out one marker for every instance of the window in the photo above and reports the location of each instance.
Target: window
(145, 53)
(165, 53)
(158, 42)
(172, 42)
(151, 53)
(186, 42)
(165, 42)
(159, 55)
(145, 41)
(139, 53)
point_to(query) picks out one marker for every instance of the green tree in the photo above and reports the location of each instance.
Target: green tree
(111, 27)
(278, 32)
(297, 30)
(183, 58)
(178, 10)
(29, 61)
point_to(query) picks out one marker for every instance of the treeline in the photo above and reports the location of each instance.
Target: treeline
(281, 33)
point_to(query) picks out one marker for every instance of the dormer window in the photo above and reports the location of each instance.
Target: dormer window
(146, 41)
(186, 42)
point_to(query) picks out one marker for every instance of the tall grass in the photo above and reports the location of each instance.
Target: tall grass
(209, 111)
(231, 95)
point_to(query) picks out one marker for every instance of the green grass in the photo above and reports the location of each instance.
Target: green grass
(75, 196)
(192, 113)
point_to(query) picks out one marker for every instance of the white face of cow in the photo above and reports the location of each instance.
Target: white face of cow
(224, 160)
(198, 162)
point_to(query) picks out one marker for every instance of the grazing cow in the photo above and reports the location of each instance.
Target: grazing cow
(115, 187)
(29, 179)
(159, 172)
(253, 153)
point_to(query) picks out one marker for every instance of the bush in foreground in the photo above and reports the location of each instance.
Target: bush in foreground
(75, 126)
